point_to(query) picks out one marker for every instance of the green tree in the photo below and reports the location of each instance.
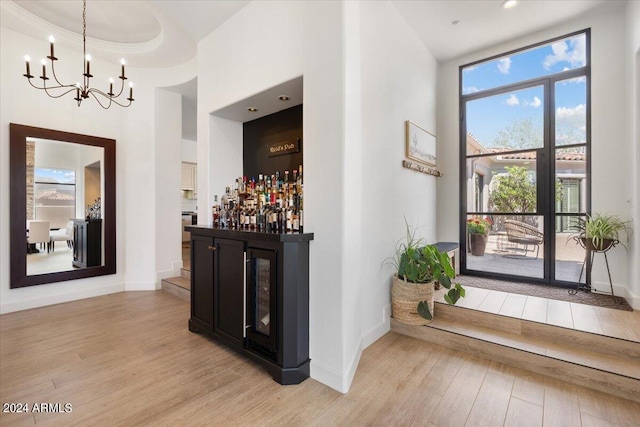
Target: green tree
(521, 133)
(513, 192)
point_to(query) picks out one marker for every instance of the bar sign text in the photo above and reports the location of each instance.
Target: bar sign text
(287, 147)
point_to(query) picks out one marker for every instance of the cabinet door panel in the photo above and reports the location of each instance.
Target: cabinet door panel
(202, 266)
(229, 293)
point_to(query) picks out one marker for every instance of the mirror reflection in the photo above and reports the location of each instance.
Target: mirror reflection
(64, 209)
(62, 206)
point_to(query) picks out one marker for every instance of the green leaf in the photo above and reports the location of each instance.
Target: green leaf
(423, 310)
(445, 281)
(461, 290)
(452, 296)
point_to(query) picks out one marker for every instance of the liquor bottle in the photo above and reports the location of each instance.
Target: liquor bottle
(274, 218)
(289, 215)
(300, 199)
(223, 218)
(253, 221)
(214, 212)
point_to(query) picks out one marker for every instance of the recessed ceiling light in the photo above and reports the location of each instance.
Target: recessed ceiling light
(455, 22)
(283, 98)
(508, 4)
(252, 109)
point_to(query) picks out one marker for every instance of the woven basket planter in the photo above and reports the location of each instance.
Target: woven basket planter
(405, 297)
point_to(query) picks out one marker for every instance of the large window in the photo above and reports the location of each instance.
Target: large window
(525, 159)
(55, 196)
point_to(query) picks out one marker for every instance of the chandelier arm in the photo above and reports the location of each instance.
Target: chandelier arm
(53, 71)
(98, 100)
(98, 91)
(111, 100)
(121, 90)
(51, 87)
(46, 89)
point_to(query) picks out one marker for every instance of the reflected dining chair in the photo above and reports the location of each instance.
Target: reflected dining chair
(62, 235)
(39, 233)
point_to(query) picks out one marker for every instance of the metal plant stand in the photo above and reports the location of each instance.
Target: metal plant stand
(592, 251)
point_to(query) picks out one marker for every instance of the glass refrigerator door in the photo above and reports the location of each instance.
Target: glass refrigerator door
(262, 304)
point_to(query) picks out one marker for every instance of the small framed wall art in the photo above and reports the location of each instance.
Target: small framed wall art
(421, 144)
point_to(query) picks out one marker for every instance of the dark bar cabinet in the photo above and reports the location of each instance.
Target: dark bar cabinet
(87, 243)
(250, 290)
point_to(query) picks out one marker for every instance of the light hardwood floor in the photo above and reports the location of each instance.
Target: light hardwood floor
(128, 359)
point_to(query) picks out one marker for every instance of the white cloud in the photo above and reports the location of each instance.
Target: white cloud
(536, 102)
(504, 64)
(469, 69)
(512, 100)
(581, 79)
(579, 111)
(572, 51)
(470, 89)
(571, 124)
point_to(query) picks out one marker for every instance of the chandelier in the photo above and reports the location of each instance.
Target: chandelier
(82, 91)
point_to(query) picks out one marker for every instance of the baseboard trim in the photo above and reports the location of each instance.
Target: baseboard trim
(342, 382)
(619, 290)
(61, 298)
(141, 286)
(327, 376)
(176, 266)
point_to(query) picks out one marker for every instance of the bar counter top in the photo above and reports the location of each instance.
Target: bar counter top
(238, 234)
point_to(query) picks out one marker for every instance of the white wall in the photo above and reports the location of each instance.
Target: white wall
(136, 163)
(632, 57)
(168, 125)
(189, 150)
(609, 135)
(397, 83)
(365, 73)
(21, 104)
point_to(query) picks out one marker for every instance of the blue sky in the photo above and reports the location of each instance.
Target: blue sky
(487, 116)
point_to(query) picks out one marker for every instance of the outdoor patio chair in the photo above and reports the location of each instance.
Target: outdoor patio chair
(524, 234)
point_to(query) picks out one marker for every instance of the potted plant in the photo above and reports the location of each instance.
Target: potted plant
(478, 230)
(418, 267)
(598, 232)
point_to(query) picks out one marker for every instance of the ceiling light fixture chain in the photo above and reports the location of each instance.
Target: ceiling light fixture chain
(82, 91)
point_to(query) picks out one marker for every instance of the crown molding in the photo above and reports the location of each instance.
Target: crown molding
(75, 39)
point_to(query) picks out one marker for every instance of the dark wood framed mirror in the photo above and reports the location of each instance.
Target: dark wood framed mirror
(20, 137)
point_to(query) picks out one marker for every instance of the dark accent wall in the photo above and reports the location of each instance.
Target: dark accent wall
(258, 134)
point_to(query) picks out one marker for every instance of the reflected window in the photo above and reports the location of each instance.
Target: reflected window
(55, 195)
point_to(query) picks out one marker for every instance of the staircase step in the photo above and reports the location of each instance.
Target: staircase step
(600, 362)
(539, 332)
(186, 273)
(178, 286)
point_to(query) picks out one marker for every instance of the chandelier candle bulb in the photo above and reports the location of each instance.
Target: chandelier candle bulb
(123, 62)
(27, 60)
(88, 66)
(130, 91)
(110, 86)
(51, 41)
(44, 69)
